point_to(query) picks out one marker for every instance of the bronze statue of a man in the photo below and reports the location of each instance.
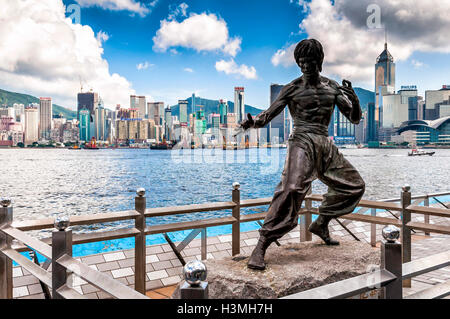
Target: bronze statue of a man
(311, 154)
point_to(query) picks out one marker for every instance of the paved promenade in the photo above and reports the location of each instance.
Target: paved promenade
(164, 269)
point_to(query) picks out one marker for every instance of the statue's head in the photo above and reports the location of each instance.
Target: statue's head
(309, 56)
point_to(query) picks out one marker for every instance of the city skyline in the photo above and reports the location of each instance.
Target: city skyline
(135, 50)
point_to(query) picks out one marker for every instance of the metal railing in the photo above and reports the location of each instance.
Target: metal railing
(64, 266)
(10, 230)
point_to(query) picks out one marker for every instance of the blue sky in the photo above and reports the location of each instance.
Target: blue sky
(264, 26)
(50, 56)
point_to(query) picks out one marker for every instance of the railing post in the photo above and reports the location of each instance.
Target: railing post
(140, 205)
(204, 244)
(236, 227)
(6, 282)
(195, 285)
(426, 217)
(61, 245)
(406, 231)
(306, 219)
(391, 260)
(373, 229)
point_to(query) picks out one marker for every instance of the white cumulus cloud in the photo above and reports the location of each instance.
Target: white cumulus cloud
(351, 48)
(189, 70)
(120, 5)
(230, 67)
(43, 53)
(201, 32)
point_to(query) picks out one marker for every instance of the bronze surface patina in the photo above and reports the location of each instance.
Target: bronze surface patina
(311, 155)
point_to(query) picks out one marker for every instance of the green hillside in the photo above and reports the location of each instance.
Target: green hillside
(212, 106)
(9, 98)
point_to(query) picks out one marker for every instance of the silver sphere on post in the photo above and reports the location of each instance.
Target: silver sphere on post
(62, 222)
(406, 188)
(391, 233)
(5, 202)
(140, 192)
(194, 272)
(236, 185)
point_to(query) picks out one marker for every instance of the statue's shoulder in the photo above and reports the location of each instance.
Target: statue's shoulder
(330, 82)
(296, 82)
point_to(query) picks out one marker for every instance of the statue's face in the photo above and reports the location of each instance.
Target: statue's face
(309, 66)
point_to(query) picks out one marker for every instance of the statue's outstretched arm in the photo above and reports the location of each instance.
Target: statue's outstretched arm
(348, 103)
(276, 108)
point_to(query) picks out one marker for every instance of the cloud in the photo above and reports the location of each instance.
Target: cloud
(43, 53)
(144, 66)
(230, 67)
(188, 70)
(351, 48)
(120, 5)
(285, 56)
(417, 64)
(201, 32)
(102, 37)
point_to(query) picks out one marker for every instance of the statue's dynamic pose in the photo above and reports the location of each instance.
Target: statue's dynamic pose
(311, 154)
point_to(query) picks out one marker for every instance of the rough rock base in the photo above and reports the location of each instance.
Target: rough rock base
(290, 269)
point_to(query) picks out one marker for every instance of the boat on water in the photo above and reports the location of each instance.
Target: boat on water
(161, 146)
(416, 152)
(92, 145)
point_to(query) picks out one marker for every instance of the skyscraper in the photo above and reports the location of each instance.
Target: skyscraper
(168, 124)
(239, 105)
(223, 111)
(45, 117)
(182, 104)
(31, 125)
(277, 125)
(139, 103)
(87, 101)
(371, 123)
(156, 112)
(84, 119)
(384, 81)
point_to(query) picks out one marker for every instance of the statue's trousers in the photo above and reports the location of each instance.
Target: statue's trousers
(311, 156)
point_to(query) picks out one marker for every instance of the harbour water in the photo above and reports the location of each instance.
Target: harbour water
(44, 183)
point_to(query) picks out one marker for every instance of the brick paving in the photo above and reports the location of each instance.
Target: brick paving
(164, 269)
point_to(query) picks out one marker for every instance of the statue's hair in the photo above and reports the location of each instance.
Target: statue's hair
(310, 48)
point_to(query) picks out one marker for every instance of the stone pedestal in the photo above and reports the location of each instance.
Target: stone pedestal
(291, 268)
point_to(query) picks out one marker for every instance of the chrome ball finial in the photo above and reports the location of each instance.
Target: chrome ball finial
(140, 192)
(5, 202)
(406, 188)
(194, 272)
(236, 185)
(62, 222)
(391, 233)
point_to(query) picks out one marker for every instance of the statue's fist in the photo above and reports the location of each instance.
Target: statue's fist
(248, 123)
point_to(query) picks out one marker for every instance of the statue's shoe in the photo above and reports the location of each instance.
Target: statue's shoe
(322, 231)
(256, 260)
(256, 263)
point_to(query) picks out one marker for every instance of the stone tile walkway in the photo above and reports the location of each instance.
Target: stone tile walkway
(164, 269)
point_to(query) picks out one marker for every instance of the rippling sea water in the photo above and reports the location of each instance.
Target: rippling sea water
(44, 183)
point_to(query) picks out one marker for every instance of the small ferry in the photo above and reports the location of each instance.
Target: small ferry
(161, 146)
(416, 152)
